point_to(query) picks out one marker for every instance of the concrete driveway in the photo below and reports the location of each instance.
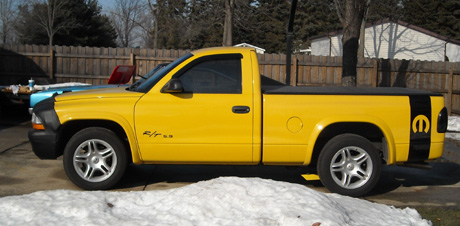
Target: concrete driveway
(21, 172)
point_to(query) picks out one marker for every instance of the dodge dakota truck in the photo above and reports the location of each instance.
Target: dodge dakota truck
(212, 106)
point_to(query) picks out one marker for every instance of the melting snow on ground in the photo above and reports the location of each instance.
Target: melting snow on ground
(453, 128)
(221, 201)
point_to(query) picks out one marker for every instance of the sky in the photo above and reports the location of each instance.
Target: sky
(105, 4)
(220, 201)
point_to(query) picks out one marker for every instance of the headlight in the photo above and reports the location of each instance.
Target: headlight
(37, 123)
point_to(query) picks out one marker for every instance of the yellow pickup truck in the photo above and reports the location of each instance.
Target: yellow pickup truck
(212, 106)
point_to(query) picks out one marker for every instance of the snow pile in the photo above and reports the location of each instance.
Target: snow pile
(453, 128)
(221, 201)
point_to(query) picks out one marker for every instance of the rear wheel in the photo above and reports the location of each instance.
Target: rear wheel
(350, 165)
(95, 158)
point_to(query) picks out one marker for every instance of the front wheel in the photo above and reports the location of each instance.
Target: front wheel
(95, 159)
(349, 165)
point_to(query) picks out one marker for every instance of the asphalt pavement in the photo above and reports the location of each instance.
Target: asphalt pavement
(21, 172)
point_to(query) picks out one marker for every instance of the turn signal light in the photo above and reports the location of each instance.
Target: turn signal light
(37, 123)
(38, 126)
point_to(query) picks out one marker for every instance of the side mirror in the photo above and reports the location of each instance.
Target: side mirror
(173, 86)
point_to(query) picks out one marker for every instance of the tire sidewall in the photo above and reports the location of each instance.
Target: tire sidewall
(336, 144)
(95, 133)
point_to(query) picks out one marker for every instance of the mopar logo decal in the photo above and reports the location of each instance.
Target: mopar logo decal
(421, 124)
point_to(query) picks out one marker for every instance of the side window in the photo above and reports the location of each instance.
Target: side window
(213, 76)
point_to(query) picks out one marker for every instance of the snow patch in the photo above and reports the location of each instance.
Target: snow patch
(221, 201)
(453, 128)
(454, 123)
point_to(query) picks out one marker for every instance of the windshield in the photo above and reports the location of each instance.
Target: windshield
(148, 83)
(148, 75)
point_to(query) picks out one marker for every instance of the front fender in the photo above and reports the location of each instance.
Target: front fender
(108, 116)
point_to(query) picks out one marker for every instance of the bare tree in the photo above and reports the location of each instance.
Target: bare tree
(126, 16)
(52, 16)
(7, 18)
(351, 14)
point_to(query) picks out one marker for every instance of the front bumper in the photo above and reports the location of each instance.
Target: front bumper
(44, 144)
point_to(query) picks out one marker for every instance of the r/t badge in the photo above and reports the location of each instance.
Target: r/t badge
(157, 134)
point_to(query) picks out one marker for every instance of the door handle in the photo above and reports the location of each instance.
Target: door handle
(241, 109)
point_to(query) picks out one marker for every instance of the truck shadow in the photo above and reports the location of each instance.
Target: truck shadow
(147, 175)
(392, 177)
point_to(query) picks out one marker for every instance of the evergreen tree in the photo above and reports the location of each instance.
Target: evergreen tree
(172, 23)
(382, 9)
(205, 24)
(245, 22)
(439, 16)
(269, 25)
(314, 17)
(272, 18)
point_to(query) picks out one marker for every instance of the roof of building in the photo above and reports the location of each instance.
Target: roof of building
(402, 23)
(249, 45)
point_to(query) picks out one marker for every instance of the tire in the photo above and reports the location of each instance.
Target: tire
(349, 165)
(95, 159)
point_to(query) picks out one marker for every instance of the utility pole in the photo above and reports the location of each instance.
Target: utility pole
(290, 34)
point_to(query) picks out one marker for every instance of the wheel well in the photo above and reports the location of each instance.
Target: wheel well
(71, 128)
(366, 130)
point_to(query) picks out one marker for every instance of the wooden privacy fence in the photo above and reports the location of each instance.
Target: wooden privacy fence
(93, 65)
(75, 64)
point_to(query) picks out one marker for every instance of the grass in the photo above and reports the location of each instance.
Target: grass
(440, 216)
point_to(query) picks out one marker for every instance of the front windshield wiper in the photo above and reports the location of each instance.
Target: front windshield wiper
(136, 84)
(133, 86)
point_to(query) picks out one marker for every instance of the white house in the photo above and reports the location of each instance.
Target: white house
(393, 40)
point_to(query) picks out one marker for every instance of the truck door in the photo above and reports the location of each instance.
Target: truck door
(211, 121)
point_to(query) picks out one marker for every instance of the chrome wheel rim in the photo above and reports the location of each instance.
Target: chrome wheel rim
(95, 160)
(351, 167)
